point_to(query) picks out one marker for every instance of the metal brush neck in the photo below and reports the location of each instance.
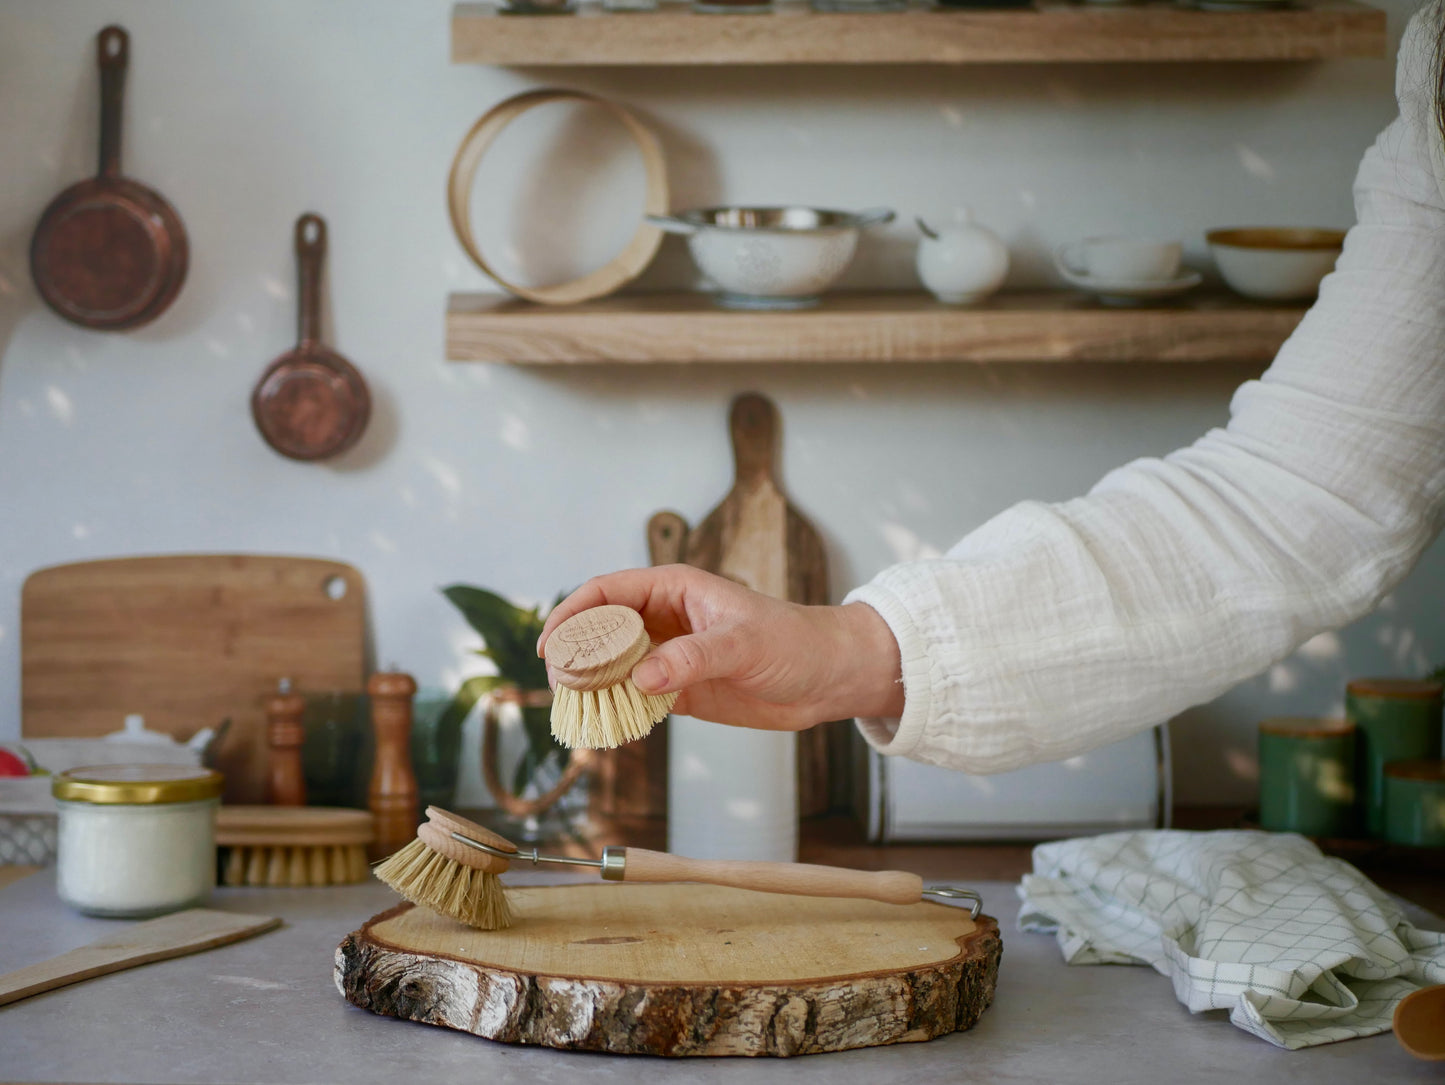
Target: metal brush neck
(953, 892)
(612, 863)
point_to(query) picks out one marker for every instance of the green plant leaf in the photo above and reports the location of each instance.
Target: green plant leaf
(508, 632)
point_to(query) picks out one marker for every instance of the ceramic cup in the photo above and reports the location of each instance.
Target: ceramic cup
(1397, 719)
(1307, 776)
(1122, 259)
(1415, 803)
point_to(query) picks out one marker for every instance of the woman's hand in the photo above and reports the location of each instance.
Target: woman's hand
(745, 658)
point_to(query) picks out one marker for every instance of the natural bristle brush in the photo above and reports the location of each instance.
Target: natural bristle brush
(596, 705)
(452, 867)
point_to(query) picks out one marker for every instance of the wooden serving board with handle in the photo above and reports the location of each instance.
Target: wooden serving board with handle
(681, 970)
(187, 640)
(758, 538)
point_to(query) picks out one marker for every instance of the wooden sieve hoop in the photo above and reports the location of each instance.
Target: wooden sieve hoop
(626, 265)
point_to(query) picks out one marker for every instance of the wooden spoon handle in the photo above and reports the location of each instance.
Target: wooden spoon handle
(798, 879)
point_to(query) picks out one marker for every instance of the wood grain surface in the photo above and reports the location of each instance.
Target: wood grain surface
(1046, 326)
(172, 935)
(1049, 30)
(681, 970)
(186, 640)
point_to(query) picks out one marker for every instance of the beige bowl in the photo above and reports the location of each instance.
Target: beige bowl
(1274, 263)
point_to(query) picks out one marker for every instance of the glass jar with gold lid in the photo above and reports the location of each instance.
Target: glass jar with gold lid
(136, 840)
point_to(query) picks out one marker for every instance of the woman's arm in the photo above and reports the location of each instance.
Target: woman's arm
(1056, 628)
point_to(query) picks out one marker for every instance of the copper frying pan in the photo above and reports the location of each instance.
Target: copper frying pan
(311, 402)
(109, 253)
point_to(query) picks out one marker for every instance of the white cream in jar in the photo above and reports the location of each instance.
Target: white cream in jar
(136, 840)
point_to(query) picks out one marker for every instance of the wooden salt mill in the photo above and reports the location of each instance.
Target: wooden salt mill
(392, 796)
(285, 733)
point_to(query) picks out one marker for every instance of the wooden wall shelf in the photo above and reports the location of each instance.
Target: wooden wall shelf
(1047, 31)
(1053, 326)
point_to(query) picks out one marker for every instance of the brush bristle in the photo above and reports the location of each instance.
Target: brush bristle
(424, 877)
(605, 718)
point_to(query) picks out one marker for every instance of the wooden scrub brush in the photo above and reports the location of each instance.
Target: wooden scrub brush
(452, 867)
(596, 706)
(292, 845)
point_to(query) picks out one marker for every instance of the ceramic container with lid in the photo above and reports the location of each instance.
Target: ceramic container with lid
(136, 840)
(1398, 719)
(1415, 803)
(1307, 776)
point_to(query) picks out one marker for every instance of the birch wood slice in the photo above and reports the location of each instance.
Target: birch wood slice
(681, 970)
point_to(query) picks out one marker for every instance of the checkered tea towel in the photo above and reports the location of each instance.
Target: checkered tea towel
(1300, 949)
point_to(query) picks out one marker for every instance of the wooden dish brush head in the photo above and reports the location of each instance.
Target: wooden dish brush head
(438, 873)
(596, 705)
(293, 845)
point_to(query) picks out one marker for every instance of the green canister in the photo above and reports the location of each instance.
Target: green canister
(1307, 776)
(1397, 719)
(1415, 803)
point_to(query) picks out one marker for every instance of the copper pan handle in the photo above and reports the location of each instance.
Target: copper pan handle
(310, 254)
(112, 52)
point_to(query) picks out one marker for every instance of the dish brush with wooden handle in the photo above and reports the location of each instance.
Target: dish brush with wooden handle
(453, 864)
(596, 705)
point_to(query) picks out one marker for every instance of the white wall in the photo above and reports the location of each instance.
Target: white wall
(247, 113)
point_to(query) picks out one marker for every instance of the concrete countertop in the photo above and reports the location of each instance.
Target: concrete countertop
(266, 1011)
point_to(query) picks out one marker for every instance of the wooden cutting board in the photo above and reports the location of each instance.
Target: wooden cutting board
(756, 537)
(681, 970)
(187, 641)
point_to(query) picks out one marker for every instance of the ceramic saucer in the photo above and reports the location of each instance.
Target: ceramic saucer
(1127, 293)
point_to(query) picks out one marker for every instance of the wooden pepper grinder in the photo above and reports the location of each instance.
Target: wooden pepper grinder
(285, 733)
(392, 796)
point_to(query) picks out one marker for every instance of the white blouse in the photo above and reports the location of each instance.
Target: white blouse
(1056, 628)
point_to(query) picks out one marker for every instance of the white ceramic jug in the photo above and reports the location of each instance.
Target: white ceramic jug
(961, 263)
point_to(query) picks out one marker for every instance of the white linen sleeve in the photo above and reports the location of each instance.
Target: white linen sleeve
(1052, 629)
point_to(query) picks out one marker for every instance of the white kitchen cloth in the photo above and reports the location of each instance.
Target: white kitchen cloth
(1301, 949)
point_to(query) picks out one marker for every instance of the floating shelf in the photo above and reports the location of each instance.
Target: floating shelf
(886, 327)
(1048, 30)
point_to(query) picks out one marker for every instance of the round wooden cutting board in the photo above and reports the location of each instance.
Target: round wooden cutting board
(680, 970)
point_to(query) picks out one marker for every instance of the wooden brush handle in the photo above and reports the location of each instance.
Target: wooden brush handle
(798, 879)
(597, 648)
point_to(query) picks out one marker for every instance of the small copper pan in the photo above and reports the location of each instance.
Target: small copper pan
(311, 402)
(109, 253)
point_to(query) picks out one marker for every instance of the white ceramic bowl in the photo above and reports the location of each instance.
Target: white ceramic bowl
(771, 257)
(1274, 263)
